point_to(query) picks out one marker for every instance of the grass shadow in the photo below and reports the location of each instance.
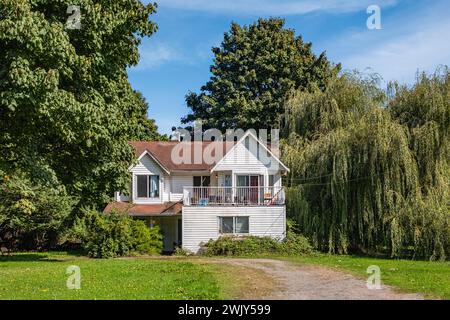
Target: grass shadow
(17, 257)
(53, 256)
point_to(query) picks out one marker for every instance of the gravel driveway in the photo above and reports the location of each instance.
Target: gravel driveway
(298, 282)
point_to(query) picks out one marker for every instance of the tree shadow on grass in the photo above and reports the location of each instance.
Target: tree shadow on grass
(41, 256)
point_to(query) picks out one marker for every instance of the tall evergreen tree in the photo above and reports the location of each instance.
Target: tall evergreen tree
(254, 69)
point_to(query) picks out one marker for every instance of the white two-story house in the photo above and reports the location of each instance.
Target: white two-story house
(237, 193)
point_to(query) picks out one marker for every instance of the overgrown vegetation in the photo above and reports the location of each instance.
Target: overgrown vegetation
(293, 244)
(31, 214)
(116, 234)
(370, 172)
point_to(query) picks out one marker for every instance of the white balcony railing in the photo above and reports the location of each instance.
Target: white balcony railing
(238, 196)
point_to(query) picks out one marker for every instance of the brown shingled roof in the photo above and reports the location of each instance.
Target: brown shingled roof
(167, 208)
(162, 151)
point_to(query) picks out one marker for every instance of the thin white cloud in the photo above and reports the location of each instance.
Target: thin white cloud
(272, 7)
(400, 58)
(405, 45)
(155, 55)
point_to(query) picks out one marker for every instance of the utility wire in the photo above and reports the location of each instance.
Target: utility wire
(329, 183)
(311, 178)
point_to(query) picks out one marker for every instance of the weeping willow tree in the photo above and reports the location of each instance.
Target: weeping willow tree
(358, 171)
(425, 110)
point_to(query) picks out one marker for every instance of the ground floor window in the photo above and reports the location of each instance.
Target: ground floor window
(233, 225)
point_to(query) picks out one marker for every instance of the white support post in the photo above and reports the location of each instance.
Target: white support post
(233, 185)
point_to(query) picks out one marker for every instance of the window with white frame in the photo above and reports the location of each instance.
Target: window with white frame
(201, 181)
(233, 225)
(147, 186)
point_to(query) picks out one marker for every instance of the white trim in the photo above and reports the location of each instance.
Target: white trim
(234, 233)
(249, 133)
(160, 188)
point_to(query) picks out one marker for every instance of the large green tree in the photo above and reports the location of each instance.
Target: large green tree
(66, 104)
(366, 177)
(425, 110)
(254, 69)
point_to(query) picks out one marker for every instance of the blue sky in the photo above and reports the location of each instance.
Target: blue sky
(176, 59)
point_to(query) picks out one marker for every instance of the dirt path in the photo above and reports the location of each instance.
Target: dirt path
(295, 282)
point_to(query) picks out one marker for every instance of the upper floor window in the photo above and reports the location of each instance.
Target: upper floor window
(147, 186)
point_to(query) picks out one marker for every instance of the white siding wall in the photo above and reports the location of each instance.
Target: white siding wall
(202, 223)
(166, 188)
(241, 160)
(177, 182)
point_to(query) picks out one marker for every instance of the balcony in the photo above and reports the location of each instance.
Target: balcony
(233, 196)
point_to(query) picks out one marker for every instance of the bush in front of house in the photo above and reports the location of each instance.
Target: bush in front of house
(116, 234)
(32, 211)
(293, 244)
(181, 252)
(146, 240)
(240, 246)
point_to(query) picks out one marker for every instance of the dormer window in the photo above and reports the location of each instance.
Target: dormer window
(147, 186)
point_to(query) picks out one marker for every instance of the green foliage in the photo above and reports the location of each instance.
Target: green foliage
(293, 244)
(240, 246)
(109, 236)
(425, 110)
(179, 251)
(116, 234)
(65, 99)
(144, 128)
(31, 214)
(428, 220)
(362, 179)
(254, 69)
(146, 240)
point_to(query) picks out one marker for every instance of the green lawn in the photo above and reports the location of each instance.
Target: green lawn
(43, 276)
(429, 278)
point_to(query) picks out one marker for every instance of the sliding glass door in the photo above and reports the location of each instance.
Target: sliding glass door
(248, 190)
